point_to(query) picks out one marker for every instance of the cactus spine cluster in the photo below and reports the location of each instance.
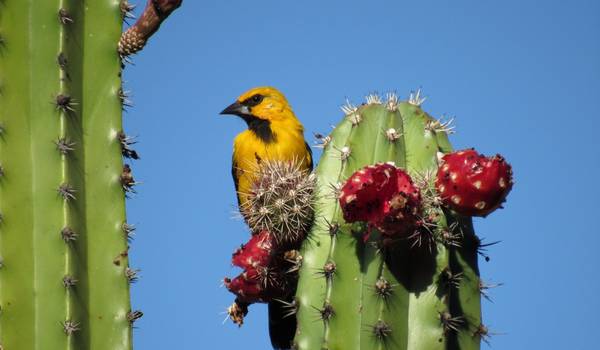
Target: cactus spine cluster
(359, 289)
(64, 275)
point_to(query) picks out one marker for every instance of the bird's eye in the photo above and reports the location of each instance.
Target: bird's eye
(257, 98)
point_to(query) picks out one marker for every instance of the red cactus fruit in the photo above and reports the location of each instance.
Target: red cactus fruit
(473, 184)
(382, 195)
(402, 209)
(262, 279)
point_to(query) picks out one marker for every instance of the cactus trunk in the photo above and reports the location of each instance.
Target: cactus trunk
(63, 282)
(418, 292)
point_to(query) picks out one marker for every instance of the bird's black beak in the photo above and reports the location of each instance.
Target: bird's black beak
(236, 108)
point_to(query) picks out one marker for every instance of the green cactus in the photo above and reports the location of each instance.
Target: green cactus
(419, 293)
(64, 275)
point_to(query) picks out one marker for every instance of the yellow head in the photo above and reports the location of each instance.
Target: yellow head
(260, 108)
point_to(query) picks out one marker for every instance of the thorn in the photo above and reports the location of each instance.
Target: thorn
(290, 307)
(125, 142)
(68, 235)
(437, 126)
(132, 275)
(65, 104)
(127, 10)
(450, 323)
(344, 153)
(67, 192)
(392, 135)
(1, 171)
(128, 230)
(2, 129)
(392, 101)
(322, 141)
(415, 98)
(127, 181)
(354, 118)
(69, 281)
(447, 279)
(133, 316)
(326, 312)
(64, 145)
(482, 247)
(70, 327)
(381, 330)
(348, 108)
(484, 287)
(328, 270)
(64, 17)
(383, 288)
(124, 97)
(373, 99)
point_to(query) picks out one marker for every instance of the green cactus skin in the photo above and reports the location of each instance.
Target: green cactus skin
(345, 310)
(39, 251)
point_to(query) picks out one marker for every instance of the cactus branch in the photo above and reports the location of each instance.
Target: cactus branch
(156, 11)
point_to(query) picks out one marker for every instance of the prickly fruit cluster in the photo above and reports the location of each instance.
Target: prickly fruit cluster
(281, 202)
(382, 195)
(473, 184)
(261, 280)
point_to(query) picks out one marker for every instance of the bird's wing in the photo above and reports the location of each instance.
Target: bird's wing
(310, 156)
(234, 175)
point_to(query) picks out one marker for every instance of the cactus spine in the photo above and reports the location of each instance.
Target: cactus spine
(420, 292)
(64, 281)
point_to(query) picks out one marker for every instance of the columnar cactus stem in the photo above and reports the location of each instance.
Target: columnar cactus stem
(413, 292)
(64, 283)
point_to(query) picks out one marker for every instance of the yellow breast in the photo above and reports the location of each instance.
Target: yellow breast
(249, 151)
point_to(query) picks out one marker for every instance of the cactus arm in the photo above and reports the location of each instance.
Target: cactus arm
(37, 310)
(32, 296)
(423, 311)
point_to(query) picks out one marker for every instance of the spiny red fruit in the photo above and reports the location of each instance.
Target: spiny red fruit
(402, 209)
(473, 184)
(261, 280)
(382, 195)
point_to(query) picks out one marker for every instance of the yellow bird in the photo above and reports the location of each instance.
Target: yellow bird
(274, 133)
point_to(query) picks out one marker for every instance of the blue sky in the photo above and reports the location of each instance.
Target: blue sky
(522, 78)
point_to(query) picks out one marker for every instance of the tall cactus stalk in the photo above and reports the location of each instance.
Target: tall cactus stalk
(64, 276)
(360, 289)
